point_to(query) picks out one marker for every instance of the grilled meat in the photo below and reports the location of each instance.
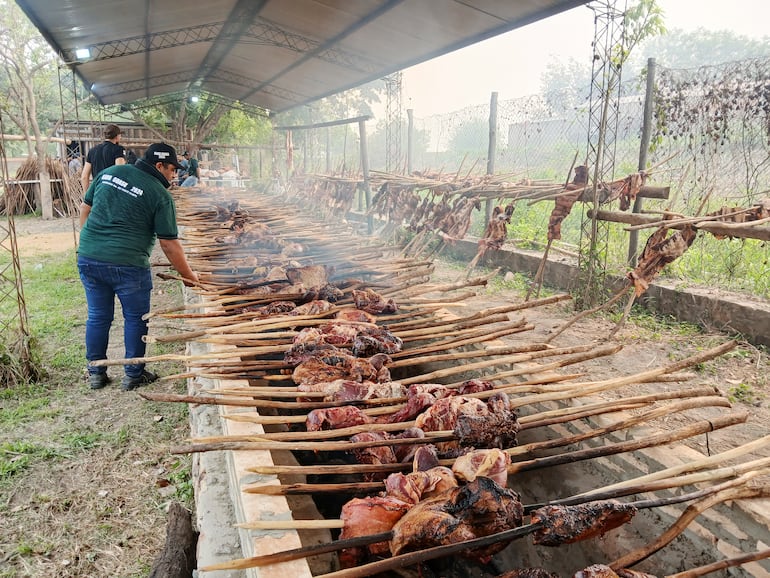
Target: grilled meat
(419, 397)
(372, 302)
(310, 275)
(337, 365)
(425, 458)
(659, 251)
(336, 418)
(477, 509)
(496, 429)
(568, 524)
(301, 352)
(492, 463)
(372, 340)
(356, 315)
(312, 308)
(416, 486)
(478, 424)
(353, 391)
(375, 455)
(274, 308)
(596, 571)
(364, 517)
(528, 573)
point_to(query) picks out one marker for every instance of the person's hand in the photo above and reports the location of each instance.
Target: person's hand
(191, 281)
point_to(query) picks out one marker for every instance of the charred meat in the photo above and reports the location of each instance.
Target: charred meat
(528, 573)
(497, 429)
(477, 509)
(372, 302)
(372, 340)
(568, 524)
(338, 365)
(477, 424)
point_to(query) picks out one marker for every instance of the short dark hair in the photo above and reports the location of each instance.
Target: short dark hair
(111, 131)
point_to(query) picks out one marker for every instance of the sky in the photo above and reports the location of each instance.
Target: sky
(468, 76)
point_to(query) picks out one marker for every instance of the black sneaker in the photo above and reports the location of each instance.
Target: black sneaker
(98, 380)
(129, 383)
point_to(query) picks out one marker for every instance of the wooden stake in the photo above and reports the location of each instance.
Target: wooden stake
(633, 445)
(692, 512)
(609, 303)
(722, 564)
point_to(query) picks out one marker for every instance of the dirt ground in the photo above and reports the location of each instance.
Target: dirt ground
(100, 510)
(647, 343)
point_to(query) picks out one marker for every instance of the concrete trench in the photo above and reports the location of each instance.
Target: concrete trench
(724, 531)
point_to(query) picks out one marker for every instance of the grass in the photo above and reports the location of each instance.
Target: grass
(744, 393)
(81, 472)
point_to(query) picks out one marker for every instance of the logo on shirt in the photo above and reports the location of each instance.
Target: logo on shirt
(121, 185)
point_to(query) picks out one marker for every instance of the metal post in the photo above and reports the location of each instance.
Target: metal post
(633, 238)
(365, 172)
(409, 140)
(492, 149)
(328, 150)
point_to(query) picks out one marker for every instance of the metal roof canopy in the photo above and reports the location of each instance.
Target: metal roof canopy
(274, 54)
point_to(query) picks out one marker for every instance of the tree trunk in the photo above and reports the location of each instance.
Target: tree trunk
(177, 560)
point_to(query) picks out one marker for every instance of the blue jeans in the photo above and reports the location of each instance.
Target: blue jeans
(133, 286)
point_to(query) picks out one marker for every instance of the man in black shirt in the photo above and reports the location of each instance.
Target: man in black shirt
(104, 155)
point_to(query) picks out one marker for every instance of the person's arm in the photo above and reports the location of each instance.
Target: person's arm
(172, 248)
(85, 175)
(85, 210)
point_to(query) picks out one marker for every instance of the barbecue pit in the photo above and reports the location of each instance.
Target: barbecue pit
(537, 485)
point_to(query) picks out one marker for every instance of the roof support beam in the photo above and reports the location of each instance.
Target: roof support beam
(371, 16)
(259, 31)
(109, 91)
(237, 23)
(150, 43)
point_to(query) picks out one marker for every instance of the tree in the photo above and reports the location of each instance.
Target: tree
(28, 67)
(565, 85)
(680, 49)
(471, 138)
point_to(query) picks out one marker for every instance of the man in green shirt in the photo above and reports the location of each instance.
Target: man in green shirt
(124, 210)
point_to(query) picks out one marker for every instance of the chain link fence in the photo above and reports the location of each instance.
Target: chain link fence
(712, 140)
(710, 144)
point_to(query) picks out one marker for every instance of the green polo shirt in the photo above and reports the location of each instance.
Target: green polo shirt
(129, 209)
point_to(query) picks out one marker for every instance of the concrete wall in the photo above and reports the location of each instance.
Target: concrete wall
(706, 307)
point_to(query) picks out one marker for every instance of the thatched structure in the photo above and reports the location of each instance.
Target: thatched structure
(22, 191)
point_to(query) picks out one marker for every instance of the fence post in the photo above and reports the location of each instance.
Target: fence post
(328, 150)
(409, 139)
(492, 149)
(633, 237)
(365, 171)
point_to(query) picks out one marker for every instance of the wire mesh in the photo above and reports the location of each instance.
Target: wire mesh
(712, 140)
(710, 145)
